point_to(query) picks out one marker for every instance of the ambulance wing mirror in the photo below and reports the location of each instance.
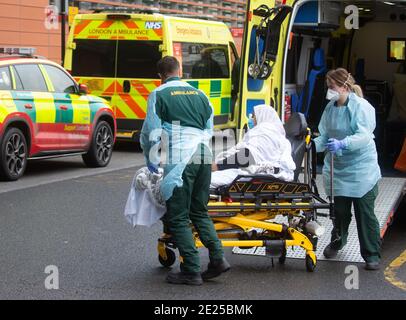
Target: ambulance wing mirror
(83, 89)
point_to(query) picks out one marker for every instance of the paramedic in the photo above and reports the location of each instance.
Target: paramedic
(180, 119)
(346, 130)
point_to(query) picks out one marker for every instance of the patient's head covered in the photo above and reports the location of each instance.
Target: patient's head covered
(267, 141)
(265, 114)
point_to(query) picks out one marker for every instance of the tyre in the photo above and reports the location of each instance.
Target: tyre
(101, 147)
(13, 155)
(170, 258)
(310, 265)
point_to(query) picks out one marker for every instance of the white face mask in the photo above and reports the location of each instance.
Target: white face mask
(332, 95)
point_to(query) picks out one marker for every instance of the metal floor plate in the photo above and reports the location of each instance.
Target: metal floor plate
(390, 190)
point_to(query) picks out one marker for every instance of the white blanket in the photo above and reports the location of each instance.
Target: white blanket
(225, 177)
(145, 205)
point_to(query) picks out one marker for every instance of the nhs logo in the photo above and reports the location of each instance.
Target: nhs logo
(153, 25)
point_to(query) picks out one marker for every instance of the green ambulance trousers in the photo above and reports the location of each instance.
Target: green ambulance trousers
(189, 203)
(367, 224)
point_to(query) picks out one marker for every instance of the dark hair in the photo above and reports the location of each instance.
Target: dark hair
(167, 65)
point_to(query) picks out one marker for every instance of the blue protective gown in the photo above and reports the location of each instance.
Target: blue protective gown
(356, 169)
(178, 143)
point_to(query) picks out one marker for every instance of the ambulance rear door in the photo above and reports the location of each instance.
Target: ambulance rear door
(91, 54)
(264, 44)
(139, 48)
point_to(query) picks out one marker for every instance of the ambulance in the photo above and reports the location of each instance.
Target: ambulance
(289, 46)
(115, 56)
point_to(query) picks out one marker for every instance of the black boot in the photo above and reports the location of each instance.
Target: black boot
(330, 252)
(215, 268)
(191, 278)
(375, 265)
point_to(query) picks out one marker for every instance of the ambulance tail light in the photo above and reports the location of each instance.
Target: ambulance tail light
(118, 16)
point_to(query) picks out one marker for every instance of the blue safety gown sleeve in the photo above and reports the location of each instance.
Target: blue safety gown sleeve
(151, 133)
(362, 124)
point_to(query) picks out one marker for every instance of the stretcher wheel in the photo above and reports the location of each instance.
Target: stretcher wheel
(310, 265)
(170, 258)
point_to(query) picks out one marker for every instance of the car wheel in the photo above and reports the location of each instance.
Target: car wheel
(101, 147)
(13, 155)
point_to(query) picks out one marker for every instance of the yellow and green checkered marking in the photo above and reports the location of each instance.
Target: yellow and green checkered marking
(218, 91)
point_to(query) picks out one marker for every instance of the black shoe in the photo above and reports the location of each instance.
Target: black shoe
(191, 278)
(372, 265)
(215, 268)
(330, 252)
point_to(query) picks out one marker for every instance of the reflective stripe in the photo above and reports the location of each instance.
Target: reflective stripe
(81, 109)
(13, 77)
(218, 91)
(45, 111)
(47, 79)
(7, 105)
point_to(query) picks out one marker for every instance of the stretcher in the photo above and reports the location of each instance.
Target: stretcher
(242, 212)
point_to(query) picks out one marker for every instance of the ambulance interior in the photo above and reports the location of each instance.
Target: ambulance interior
(374, 54)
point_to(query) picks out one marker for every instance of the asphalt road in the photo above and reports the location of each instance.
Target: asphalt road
(77, 225)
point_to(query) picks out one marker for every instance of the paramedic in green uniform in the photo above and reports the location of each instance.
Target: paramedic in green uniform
(180, 120)
(346, 130)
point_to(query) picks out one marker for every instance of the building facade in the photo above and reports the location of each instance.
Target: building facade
(28, 23)
(23, 24)
(232, 12)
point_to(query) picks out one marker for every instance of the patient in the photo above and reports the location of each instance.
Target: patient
(263, 150)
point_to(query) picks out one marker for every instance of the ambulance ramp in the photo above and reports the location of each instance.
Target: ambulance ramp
(391, 192)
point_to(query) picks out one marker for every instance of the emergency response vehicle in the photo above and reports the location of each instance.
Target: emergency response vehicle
(45, 113)
(115, 55)
(287, 49)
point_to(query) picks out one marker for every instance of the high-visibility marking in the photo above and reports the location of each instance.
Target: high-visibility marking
(158, 32)
(93, 37)
(119, 114)
(143, 91)
(392, 269)
(130, 24)
(135, 107)
(81, 109)
(7, 105)
(81, 25)
(45, 111)
(106, 24)
(110, 89)
(130, 102)
(48, 81)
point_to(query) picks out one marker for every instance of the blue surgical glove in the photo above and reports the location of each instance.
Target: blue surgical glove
(153, 168)
(335, 145)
